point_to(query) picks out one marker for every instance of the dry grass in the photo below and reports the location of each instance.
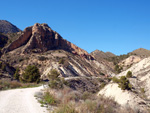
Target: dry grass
(4, 85)
(71, 101)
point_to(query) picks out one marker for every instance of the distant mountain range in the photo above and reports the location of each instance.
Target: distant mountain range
(7, 27)
(141, 52)
(101, 54)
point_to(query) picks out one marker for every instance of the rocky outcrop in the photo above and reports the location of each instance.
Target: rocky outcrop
(125, 98)
(130, 61)
(3, 40)
(141, 73)
(41, 38)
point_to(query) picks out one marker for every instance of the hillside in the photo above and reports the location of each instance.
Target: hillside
(7, 27)
(141, 52)
(101, 54)
(45, 48)
(138, 97)
(102, 57)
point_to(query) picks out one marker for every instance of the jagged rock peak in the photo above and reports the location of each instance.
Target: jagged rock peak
(41, 38)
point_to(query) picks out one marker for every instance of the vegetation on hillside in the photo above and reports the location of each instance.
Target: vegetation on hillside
(55, 81)
(16, 75)
(67, 100)
(118, 69)
(7, 84)
(129, 74)
(31, 74)
(123, 83)
(117, 59)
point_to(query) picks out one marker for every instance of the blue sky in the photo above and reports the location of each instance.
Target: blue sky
(118, 26)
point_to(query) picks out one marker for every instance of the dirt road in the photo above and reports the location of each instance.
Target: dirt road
(20, 101)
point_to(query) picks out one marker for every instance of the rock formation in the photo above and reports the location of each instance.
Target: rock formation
(41, 38)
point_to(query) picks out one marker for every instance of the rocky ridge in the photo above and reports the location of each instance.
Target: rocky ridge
(41, 46)
(41, 38)
(128, 62)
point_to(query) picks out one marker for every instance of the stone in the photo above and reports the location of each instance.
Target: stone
(42, 38)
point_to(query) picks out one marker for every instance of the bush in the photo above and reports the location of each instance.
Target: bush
(129, 74)
(49, 99)
(2, 66)
(115, 80)
(16, 75)
(124, 83)
(61, 61)
(53, 74)
(56, 82)
(31, 74)
(118, 69)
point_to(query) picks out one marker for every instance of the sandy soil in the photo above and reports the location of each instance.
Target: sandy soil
(20, 101)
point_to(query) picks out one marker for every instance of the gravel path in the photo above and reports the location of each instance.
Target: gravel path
(20, 101)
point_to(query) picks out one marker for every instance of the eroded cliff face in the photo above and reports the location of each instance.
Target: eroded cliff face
(41, 38)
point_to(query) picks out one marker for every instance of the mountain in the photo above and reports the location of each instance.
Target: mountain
(45, 48)
(141, 52)
(102, 57)
(7, 27)
(42, 38)
(100, 54)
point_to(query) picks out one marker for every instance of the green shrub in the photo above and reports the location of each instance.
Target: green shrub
(31, 74)
(118, 69)
(53, 74)
(56, 84)
(124, 83)
(2, 66)
(49, 99)
(64, 82)
(16, 75)
(129, 74)
(61, 61)
(115, 79)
